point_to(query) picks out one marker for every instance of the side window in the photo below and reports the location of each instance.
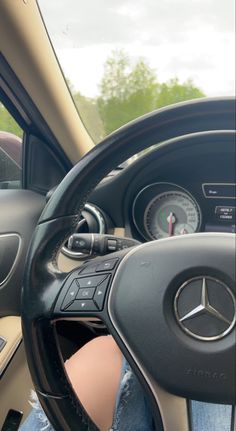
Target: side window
(10, 151)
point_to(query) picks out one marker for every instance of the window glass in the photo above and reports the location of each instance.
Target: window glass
(10, 151)
(125, 58)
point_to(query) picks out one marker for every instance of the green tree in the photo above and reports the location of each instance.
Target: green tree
(126, 91)
(8, 124)
(173, 91)
(114, 82)
(129, 90)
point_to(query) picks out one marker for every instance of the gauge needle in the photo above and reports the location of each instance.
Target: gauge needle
(171, 221)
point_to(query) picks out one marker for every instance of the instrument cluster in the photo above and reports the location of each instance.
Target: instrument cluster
(165, 209)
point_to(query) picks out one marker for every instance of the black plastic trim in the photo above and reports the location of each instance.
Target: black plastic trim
(37, 124)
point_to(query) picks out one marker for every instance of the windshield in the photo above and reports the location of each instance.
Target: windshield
(124, 59)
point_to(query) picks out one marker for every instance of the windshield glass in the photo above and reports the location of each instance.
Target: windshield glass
(124, 59)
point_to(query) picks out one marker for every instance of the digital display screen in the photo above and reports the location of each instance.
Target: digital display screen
(218, 190)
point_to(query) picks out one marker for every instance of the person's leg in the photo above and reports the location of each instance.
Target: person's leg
(113, 396)
(94, 372)
(108, 389)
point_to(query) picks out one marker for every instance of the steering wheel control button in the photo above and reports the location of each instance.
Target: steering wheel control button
(92, 281)
(89, 269)
(107, 265)
(112, 244)
(83, 291)
(82, 305)
(226, 213)
(100, 293)
(205, 308)
(71, 294)
(86, 293)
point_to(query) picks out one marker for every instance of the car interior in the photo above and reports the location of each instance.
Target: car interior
(124, 226)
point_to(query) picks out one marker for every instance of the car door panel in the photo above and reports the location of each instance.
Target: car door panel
(15, 383)
(19, 212)
(10, 332)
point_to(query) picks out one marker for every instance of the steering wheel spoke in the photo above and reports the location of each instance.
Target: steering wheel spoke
(173, 409)
(181, 414)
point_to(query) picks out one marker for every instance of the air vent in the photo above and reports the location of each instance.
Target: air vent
(92, 221)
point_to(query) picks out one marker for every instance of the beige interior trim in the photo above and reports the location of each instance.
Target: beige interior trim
(119, 231)
(10, 330)
(66, 264)
(25, 45)
(15, 386)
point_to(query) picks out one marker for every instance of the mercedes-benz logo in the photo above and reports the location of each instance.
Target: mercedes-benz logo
(205, 308)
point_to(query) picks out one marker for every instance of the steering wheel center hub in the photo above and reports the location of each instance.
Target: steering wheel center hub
(175, 315)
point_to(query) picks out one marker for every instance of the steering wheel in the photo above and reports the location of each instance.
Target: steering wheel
(169, 304)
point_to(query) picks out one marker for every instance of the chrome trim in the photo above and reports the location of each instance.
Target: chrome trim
(204, 306)
(173, 409)
(16, 258)
(182, 189)
(3, 344)
(98, 215)
(217, 184)
(101, 229)
(92, 243)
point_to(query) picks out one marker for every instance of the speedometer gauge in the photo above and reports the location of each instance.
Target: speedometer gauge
(171, 213)
(164, 209)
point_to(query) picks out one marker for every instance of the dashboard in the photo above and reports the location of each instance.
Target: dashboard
(182, 186)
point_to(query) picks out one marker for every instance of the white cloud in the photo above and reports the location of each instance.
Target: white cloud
(183, 38)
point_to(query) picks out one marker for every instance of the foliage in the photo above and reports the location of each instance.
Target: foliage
(173, 92)
(131, 90)
(7, 122)
(127, 91)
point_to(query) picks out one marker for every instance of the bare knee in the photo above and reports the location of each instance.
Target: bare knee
(94, 372)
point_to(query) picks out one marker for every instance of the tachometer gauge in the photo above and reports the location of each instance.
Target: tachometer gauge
(167, 210)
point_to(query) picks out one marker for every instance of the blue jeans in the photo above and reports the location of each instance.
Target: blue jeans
(132, 411)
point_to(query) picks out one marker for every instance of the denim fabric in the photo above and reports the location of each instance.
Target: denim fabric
(37, 420)
(210, 417)
(132, 412)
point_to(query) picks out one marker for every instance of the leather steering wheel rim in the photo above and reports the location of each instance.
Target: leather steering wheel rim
(43, 280)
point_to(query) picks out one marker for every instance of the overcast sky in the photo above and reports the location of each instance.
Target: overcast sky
(178, 38)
